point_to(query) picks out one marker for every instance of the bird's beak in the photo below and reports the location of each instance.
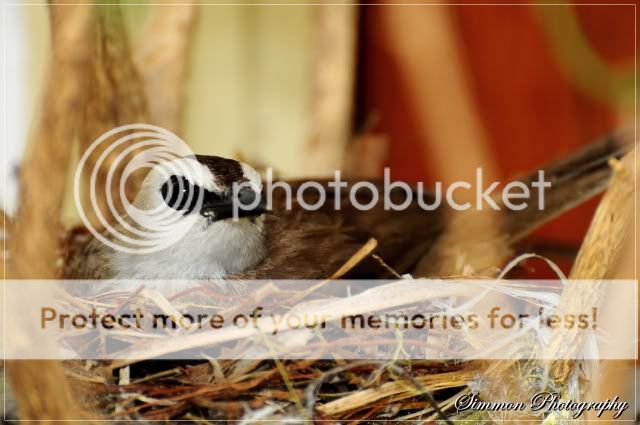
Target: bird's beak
(243, 203)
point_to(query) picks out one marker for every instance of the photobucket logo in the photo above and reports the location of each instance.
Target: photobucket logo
(115, 157)
(395, 195)
(179, 191)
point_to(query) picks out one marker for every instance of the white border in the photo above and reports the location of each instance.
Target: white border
(4, 141)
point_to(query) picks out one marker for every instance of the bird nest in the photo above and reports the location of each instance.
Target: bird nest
(224, 387)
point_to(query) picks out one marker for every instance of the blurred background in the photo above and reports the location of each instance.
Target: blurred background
(430, 91)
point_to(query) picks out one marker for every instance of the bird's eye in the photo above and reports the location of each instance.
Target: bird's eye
(180, 194)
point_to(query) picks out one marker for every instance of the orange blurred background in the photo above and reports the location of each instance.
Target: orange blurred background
(528, 103)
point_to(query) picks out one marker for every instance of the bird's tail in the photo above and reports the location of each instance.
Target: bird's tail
(574, 179)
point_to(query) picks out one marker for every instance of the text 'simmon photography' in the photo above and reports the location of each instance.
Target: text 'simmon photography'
(319, 212)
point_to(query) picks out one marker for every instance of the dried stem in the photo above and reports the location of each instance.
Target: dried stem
(40, 387)
(597, 259)
(332, 85)
(115, 97)
(163, 61)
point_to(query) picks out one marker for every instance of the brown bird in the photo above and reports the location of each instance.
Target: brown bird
(295, 243)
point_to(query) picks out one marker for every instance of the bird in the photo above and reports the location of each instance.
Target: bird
(296, 243)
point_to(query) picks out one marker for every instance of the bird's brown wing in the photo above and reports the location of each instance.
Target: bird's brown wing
(306, 244)
(314, 244)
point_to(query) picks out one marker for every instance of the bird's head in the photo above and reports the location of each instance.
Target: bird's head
(209, 189)
(200, 195)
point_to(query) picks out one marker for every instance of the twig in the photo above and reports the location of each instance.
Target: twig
(163, 60)
(40, 387)
(386, 266)
(596, 259)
